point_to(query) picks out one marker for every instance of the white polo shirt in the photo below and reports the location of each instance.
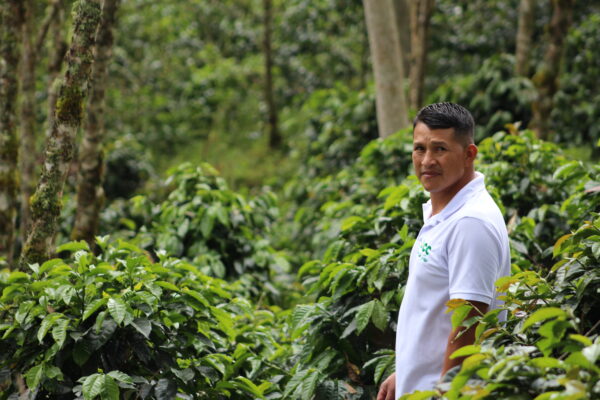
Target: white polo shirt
(459, 254)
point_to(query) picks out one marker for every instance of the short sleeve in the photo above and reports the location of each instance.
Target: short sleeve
(474, 260)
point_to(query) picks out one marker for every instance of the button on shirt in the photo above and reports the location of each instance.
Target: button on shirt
(459, 254)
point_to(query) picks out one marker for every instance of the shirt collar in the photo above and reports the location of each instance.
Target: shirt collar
(459, 199)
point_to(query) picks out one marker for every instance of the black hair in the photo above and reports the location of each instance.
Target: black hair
(448, 115)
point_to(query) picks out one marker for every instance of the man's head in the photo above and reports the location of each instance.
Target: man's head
(443, 149)
(448, 115)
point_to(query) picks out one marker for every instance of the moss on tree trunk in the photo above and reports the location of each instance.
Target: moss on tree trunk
(10, 21)
(45, 203)
(89, 182)
(546, 78)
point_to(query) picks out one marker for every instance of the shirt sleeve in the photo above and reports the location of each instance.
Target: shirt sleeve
(474, 260)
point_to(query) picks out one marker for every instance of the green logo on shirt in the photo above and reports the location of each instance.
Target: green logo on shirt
(424, 251)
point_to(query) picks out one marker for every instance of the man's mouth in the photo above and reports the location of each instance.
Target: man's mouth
(429, 174)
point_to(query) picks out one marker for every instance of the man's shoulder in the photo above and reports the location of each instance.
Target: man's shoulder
(481, 207)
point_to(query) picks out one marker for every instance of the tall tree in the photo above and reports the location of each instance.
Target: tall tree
(45, 203)
(274, 134)
(386, 58)
(546, 78)
(58, 49)
(90, 195)
(10, 27)
(402, 12)
(32, 46)
(420, 15)
(524, 37)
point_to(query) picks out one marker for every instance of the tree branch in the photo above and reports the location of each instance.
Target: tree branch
(50, 15)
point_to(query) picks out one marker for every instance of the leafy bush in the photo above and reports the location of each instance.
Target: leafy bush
(204, 222)
(118, 325)
(575, 114)
(493, 94)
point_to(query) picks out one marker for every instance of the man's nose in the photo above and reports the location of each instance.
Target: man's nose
(428, 159)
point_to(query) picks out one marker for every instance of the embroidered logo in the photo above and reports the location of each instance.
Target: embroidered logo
(424, 251)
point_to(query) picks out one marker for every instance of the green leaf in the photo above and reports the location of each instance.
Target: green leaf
(167, 285)
(466, 351)
(92, 386)
(459, 315)
(558, 245)
(143, 326)
(34, 376)
(248, 386)
(46, 324)
(59, 332)
(165, 390)
(543, 314)
(395, 197)
(120, 376)
(117, 309)
(349, 222)
(110, 390)
(369, 253)
(380, 316)
(73, 246)
(93, 307)
(196, 295)
(422, 395)
(547, 362)
(581, 339)
(363, 315)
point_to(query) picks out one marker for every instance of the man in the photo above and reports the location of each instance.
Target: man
(461, 250)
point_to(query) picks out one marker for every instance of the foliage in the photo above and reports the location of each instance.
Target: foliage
(493, 94)
(119, 324)
(205, 223)
(575, 115)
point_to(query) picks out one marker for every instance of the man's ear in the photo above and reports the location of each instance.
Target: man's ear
(471, 152)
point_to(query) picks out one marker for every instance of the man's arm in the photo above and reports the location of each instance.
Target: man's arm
(466, 338)
(387, 391)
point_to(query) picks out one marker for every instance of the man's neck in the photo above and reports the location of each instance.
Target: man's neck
(440, 200)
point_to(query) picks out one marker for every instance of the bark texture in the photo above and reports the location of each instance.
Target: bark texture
(274, 134)
(45, 203)
(27, 152)
(386, 58)
(546, 78)
(402, 12)
(420, 15)
(32, 45)
(524, 37)
(10, 26)
(59, 49)
(90, 195)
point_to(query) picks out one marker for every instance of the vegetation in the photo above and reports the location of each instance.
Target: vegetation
(229, 265)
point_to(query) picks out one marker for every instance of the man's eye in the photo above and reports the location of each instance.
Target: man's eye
(440, 148)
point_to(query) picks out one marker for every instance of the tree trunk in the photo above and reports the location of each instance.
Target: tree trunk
(402, 13)
(90, 195)
(59, 49)
(27, 159)
(420, 15)
(274, 134)
(546, 78)
(45, 203)
(386, 58)
(524, 37)
(10, 32)
(32, 45)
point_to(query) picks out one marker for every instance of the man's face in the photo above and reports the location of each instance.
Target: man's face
(441, 162)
